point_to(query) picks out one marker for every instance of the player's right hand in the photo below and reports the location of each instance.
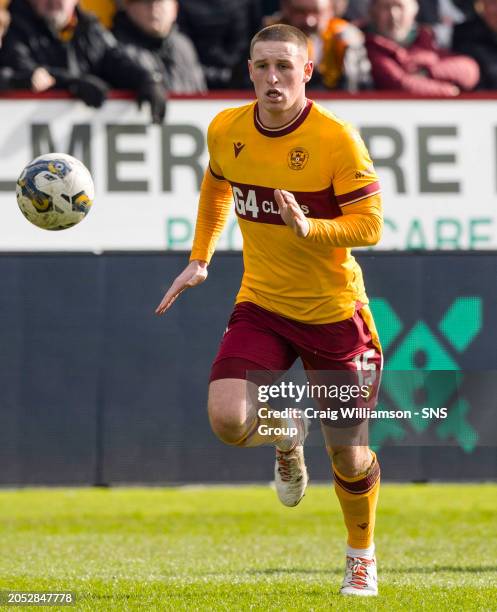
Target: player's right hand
(194, 274)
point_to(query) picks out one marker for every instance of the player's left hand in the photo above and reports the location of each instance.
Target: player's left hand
(291, 213)
(194, 274)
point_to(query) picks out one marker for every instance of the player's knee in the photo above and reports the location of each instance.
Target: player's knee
(226, 420)
(227, 426)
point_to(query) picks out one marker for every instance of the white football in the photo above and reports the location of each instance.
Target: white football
(55, 191)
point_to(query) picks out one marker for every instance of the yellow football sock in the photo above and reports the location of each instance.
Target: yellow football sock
(358, 497)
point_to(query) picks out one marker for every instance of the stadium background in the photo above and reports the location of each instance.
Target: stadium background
(96, 390)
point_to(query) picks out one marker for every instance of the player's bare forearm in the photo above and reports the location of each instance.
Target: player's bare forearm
(213, 211)
(194, 274)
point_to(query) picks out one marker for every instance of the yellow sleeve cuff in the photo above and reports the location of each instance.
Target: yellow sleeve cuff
(360, 225)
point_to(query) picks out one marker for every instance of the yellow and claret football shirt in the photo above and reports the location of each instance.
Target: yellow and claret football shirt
(324, 163)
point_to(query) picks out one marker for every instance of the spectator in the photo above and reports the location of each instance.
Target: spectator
(240, 78)
(441, 16)
(340, 7)
(405, 56)
(221, 31)
(38, 81)
(345, 64)
(467, 7)
(431, 12)
(357, 11)
(103, 9)
(478, 38)
(335, 45)
(147, 28)
(269, 7)
(78, 52)
(310, 16)
(4, 23)
(428, 12)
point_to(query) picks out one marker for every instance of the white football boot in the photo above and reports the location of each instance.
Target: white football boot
(360, 577)
(290, 473)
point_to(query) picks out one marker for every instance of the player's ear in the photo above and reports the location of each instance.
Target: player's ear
(308, 70)
(250, 69)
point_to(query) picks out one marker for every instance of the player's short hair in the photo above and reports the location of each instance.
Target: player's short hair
(280, 32)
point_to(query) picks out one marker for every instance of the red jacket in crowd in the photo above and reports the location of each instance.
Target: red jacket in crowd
(420, 68)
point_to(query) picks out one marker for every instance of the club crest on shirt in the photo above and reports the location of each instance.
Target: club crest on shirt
(297, 158)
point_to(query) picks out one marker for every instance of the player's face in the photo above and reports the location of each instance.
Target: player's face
(279, 72)
(394, 19)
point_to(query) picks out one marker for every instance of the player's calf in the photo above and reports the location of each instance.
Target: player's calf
(356, 473)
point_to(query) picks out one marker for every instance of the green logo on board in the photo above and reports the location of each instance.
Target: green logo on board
(411, 354)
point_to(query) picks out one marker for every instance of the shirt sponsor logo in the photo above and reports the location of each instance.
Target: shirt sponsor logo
(256, 203)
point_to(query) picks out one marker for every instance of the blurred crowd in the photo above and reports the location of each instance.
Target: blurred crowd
(423, 47)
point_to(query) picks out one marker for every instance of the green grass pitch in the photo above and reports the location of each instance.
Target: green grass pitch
(222, 548)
